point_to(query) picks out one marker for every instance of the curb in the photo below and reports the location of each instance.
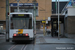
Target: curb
(56, 43)
(2, 35)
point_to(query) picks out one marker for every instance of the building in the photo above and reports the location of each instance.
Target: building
(43, 11)
(2, 15)
(61, 5)
(69, 12)
(54, 19)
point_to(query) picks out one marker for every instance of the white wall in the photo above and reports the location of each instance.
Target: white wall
(71, 11)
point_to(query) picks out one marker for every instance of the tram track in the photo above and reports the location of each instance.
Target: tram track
(24, 47)
(13, 47)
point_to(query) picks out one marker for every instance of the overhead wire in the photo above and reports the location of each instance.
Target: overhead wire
(39, 6)
(22, 2)
(13, 1)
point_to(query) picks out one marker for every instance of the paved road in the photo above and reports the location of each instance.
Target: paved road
(30, 46)
(15, 46)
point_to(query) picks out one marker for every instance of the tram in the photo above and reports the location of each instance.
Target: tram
(21, 26)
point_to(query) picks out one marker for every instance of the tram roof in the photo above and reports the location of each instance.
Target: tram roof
(20, 13)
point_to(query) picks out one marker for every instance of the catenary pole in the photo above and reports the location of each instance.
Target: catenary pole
(18, 5)
(34, 2)
(56, 7)
(58, 20)
(7, 21)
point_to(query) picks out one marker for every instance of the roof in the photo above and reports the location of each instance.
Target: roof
(71, 3)
(56, 16)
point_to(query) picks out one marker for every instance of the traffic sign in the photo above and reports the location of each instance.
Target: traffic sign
(43, 21)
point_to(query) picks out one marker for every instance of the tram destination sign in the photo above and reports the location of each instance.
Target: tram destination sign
(20, 15)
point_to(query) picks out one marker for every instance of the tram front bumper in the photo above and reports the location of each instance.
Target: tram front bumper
(21, 38)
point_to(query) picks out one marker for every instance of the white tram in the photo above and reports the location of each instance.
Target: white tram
(21, 26)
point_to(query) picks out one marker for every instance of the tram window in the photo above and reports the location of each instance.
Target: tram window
(11, 25)
(27, 15)
(21, 23)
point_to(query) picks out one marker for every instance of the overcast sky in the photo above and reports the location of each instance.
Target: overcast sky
(61, 0)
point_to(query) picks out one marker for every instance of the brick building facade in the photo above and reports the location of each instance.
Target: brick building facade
(44, 11)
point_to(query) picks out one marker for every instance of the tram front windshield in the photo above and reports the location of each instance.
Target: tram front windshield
(21, 22)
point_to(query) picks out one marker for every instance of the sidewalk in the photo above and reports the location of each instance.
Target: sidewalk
(48, 39)
(1, 35)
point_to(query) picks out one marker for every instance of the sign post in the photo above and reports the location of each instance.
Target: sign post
(44, 24)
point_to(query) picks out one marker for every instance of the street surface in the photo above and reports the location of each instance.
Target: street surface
(40, 43)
